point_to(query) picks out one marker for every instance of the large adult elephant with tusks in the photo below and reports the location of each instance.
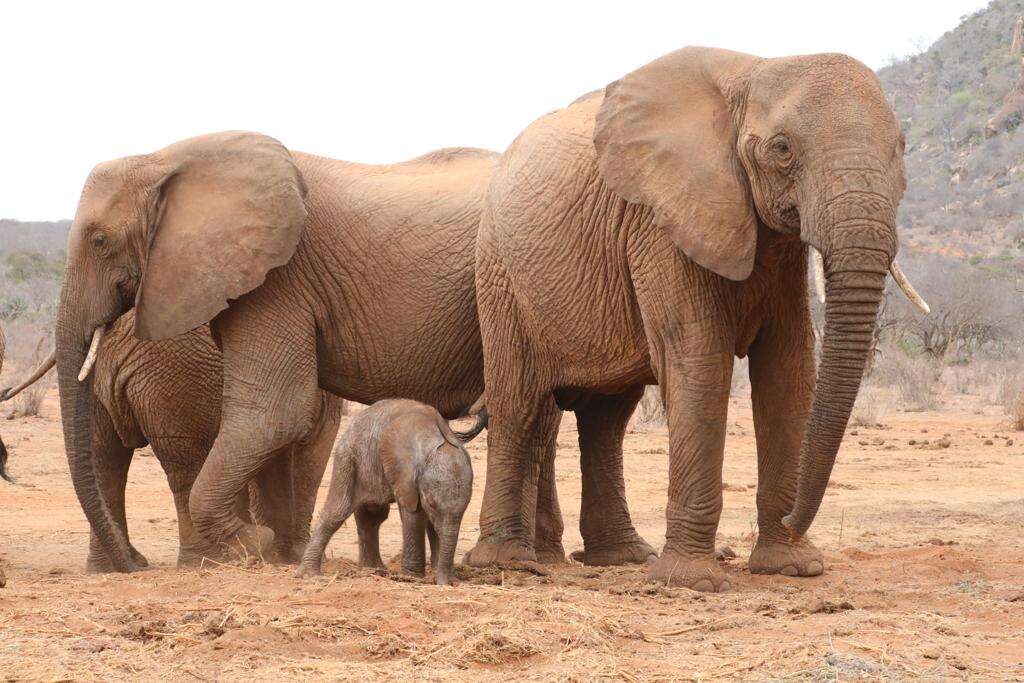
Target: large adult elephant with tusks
(652, 232)
(315, 274)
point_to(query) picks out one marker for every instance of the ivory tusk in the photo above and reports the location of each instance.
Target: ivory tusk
(907, 288)
(90, 358)
(819, 273)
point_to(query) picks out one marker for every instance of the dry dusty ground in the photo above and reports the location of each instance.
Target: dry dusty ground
(924, 579)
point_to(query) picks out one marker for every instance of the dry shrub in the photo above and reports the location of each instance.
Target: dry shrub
(915, 378)
(868, 409)
(1011, 396)
(496, 642)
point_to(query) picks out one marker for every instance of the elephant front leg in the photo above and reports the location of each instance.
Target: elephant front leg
(271, 400)
(548, 527)
(696, 395)
(609, 537)
(520, 438)
(782, 386)
(368, 521)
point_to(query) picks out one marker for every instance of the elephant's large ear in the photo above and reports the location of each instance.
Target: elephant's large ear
(228, 208)
(665, 137)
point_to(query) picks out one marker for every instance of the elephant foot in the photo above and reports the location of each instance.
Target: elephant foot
(191, 556)
(789, 559)
(508, 551)
(100, 564)
(701, 573)
(251, 541)
(550, 552)
(288, 551)
(306, 571)
(633, 551)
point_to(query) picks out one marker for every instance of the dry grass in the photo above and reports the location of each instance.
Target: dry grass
(915, 379)
(1011, 397)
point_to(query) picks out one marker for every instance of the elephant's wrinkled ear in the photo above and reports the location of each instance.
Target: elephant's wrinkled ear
(402, 474)
(665, 138)
(231, 208)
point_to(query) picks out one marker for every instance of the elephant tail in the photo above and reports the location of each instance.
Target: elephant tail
(478, 411)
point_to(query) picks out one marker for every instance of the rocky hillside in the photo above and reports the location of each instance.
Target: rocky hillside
(961, 102)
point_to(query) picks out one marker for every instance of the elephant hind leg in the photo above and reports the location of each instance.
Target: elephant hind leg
(368, 521)
(609, 537)
(112, 459)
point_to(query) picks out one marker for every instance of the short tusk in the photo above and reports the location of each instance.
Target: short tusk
(819, 273)
(907, 288)
(90, 359)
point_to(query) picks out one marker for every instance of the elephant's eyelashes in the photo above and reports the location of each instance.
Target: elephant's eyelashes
(781, 150)
(99, 242)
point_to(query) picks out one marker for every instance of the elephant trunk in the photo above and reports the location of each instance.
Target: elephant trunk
(858, 248)
(76, 416)
(448, 538)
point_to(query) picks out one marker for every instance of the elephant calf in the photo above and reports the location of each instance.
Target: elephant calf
(400, 450)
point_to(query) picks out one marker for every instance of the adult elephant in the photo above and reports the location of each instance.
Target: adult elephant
(649, 234)
(167, 394)
(315, 274)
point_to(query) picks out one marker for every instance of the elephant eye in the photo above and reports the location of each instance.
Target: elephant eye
(99, 240)
(781, 147)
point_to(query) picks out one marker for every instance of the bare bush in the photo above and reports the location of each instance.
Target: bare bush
(915, 379)
(1011, 396)
(29, 401)
(869, 408)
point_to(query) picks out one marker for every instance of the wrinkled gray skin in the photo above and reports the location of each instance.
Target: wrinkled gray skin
(653, 232)
(404, 451)
(167, 395)
(315, 275)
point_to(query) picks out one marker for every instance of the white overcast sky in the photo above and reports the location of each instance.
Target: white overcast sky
(373, 81)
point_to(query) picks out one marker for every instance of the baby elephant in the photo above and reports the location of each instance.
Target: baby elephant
(404, 451)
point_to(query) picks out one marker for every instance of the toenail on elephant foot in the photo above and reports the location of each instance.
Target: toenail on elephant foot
(636, 551)
(490, 553)
(701, 573)
(788, 559)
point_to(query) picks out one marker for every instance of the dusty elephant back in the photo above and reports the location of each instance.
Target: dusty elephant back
(389, 252)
